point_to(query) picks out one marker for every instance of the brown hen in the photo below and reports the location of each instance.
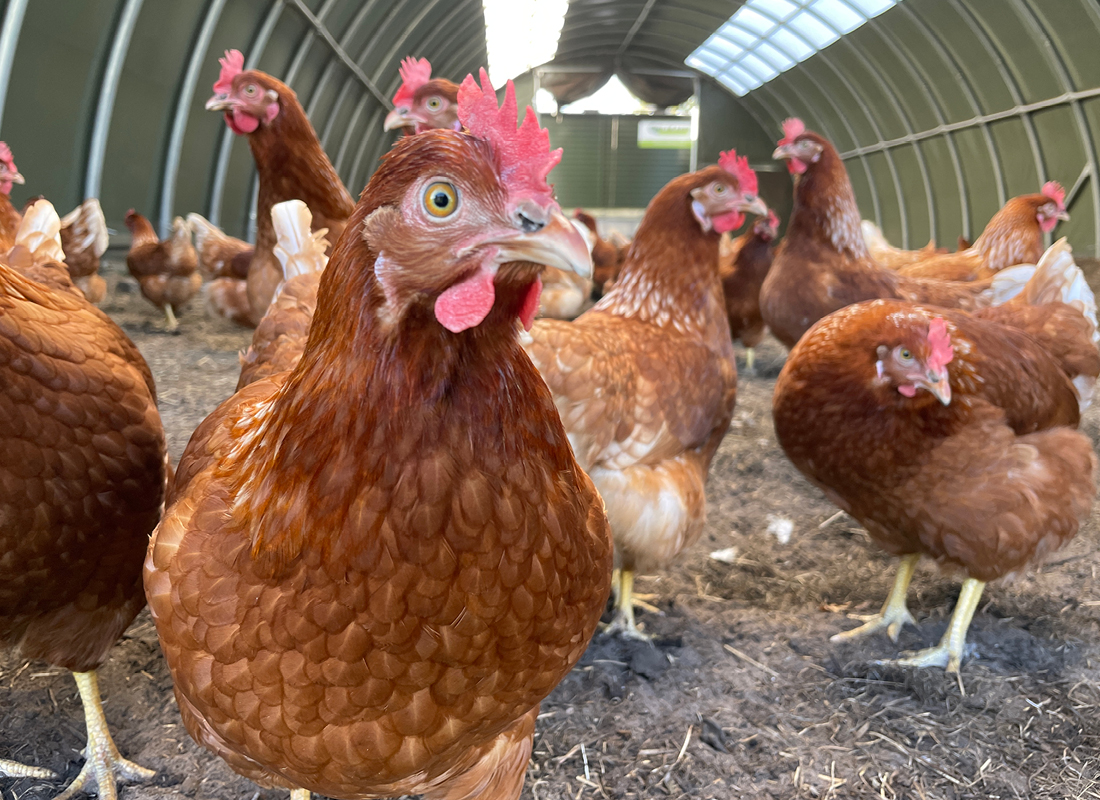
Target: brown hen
(82, 482)
(823, 263)
(290, 162)
(84, 240)
(9, 214)
(166, 271)
(743, 263)
(377, 565)
(946, 435)
(645, 380)
(421, 102)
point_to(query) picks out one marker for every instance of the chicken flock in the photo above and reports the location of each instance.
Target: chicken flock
(377, 558)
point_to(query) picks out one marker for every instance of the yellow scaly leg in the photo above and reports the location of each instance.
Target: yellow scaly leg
(103, 765)
(949, 652)
(750, 360)
(170, 315)
(299, 794)
(623, 621)
(894, 613)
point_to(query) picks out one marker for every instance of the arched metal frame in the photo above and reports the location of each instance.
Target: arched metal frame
(873, 91)
(877, 100)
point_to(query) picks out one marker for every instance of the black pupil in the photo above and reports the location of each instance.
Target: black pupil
(441, 199)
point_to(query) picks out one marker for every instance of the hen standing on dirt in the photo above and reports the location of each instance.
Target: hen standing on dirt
(946, 434)
(167, 271)
(645, 381)
(82, 482)
(377, 565)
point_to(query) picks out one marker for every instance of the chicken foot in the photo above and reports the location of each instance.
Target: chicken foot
(949, 652)
(299, 794)
(623, 620)
(894, 613)
(170, 315)
(750, 361)
(103, 765)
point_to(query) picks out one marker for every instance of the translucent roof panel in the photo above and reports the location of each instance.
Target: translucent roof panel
(767, 37)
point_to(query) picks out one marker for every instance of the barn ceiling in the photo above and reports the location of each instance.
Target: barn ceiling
(942, 108)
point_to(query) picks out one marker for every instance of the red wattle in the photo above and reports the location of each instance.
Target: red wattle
(466, 303)
(530, 305)
(730, 221)
(795, 166)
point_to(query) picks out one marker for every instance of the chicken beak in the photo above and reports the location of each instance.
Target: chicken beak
(781, 153)
(752, 204)
(1062, 215)
(12, 175)
(219, 102)
(398, 118)
(939, 385)
(556, 243)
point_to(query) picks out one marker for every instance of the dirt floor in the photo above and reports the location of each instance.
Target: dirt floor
(743, 696)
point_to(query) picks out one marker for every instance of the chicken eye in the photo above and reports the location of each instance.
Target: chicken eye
(441, 199)
(250, 90)
(434, 104)
(904, 354)
(719, 188)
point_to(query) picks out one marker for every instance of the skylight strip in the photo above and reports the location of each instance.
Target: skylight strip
(765, 38)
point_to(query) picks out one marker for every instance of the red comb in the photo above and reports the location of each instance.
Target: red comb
(940, 342)
(793, 127)
(5, 154)
(739, 168)
(524, 155)
(414, 74)
(232, 66)
(1055, 192)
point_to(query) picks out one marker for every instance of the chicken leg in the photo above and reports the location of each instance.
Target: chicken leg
(750, 361)
(170, 315)
(949, 652)
(623, 620)
(894, 613)
(103, 765)
(299, 794)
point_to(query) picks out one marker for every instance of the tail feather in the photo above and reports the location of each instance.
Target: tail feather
(873, 236)
(206, 232)
(40, 233)
(299, 249)
(1056, 278)
(89, 227)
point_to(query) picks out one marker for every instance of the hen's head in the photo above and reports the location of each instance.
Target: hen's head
(1052, 206)
(767, 228)
(423, 104)
(798, 147)
(913, 354)
(463, 223)
(722, 195)
(8, 173)
(249, 98)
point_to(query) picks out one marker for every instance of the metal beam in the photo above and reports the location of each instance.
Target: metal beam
(340, 52)
(108, 88)
(983, 119)
(9, 41)
(637, 26)
(183, 111)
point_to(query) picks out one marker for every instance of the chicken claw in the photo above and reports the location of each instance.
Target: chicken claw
(103, 765)
(894, 613)
(952, 647)
(13, 769)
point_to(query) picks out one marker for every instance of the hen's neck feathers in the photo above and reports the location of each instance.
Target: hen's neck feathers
(825, 211)
(292, 165)
(1013, 235)
(670, 275)
(142, 232)
(369, 392)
